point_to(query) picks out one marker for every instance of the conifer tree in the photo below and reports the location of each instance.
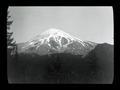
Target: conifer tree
(11, 44)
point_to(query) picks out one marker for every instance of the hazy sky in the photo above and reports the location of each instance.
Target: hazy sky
(87, 23)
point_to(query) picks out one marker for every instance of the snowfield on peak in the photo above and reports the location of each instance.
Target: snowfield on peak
(54, 34)
(56, 40)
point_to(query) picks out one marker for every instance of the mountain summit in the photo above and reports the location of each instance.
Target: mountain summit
(57, 41)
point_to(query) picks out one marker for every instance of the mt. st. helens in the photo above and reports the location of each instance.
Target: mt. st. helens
(56, 57)
(56, 41)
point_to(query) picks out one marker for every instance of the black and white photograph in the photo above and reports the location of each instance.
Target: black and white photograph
(60, 45)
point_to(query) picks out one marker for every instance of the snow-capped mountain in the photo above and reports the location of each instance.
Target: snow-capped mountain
(57, 41)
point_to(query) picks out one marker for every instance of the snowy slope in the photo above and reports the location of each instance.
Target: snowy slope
(57, 41)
